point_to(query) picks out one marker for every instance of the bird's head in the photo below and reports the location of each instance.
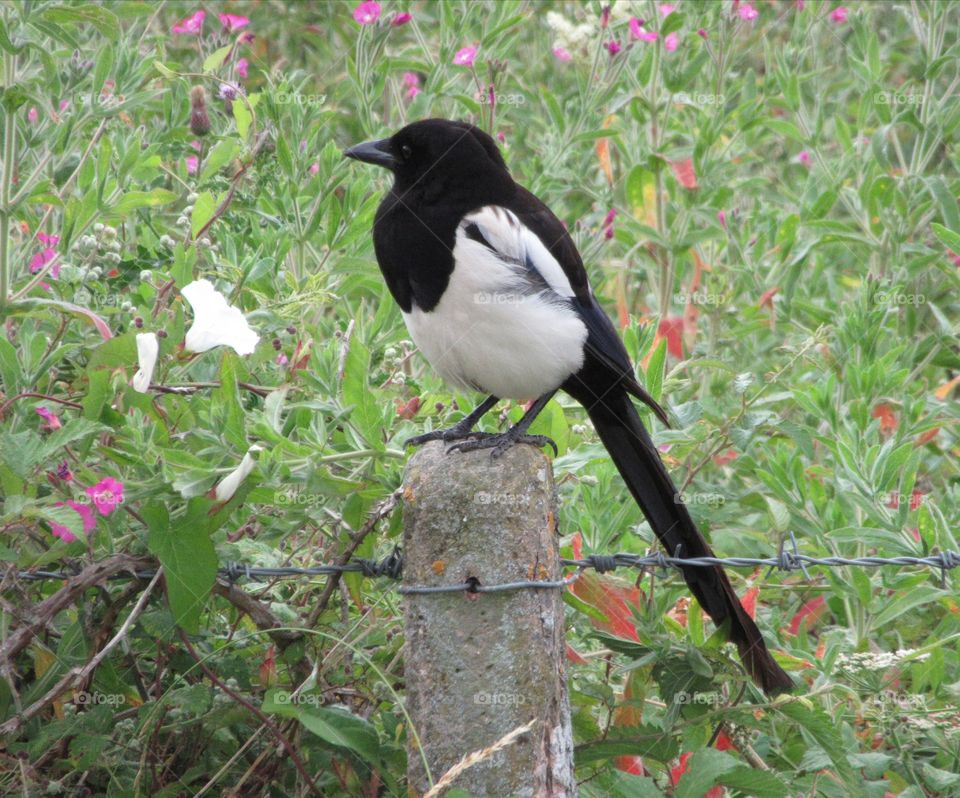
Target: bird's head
(437, 152)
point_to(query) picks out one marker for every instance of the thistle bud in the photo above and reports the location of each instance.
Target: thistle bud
(199, 121)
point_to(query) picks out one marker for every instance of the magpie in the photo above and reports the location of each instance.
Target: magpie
(495, 296)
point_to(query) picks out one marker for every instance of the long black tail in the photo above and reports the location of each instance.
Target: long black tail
(622, 432)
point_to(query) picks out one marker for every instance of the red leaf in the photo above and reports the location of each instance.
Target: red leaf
(574, 657)
(749, 601)
(807, 614)
(607, 595)
(409, 409)
(926, 437)
(725, 457)
(628, 763)
(766, 298)
(724, 743)
(678, 770)
(671, 328)
(887, 416)
(613, 600)
(268, 668)
(683, 171)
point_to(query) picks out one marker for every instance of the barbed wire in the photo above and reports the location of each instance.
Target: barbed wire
(392, 567)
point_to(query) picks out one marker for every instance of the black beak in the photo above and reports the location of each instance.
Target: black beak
(375, 152)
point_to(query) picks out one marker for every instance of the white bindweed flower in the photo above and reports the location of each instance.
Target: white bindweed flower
(147, 349)
(229, 484)
(215, 322)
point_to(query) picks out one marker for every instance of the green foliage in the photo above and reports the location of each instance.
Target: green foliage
(784, 268)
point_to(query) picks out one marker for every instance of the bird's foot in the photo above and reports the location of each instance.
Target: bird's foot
(500, 442)
(454, 433)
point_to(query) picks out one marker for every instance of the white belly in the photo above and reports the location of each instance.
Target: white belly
(486, 334)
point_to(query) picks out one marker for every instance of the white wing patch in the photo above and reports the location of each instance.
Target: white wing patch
(498, 328)
(508, 236)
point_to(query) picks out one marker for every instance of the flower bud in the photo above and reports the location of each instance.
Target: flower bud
(199, 121)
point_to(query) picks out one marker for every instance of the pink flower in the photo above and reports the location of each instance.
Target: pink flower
(243, 66)
(401, 19)
(41, 259)
(412, 81)
(702, 33)
(314, 168)
(748, 12)
(192, 24)
(666, 9)
(804, 158)
(52, 419)
(501, 138)
(561, 54)
(64, 472)
(233, 22)
(839, 14)
(32, 115)
(86, 516)
(246, 38)
(637, 31)
(800, 4)
(64, 105)
(613, 47)
(367, 13)
(954, 257)
(722, 218)
(282, 359)
(465, 56)
(671, 41)
(193, 162)
(106, 495)
(608, 219)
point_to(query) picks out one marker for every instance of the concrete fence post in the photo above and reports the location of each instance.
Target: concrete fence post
(479, 666)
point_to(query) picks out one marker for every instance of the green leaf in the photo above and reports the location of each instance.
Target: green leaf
(5, 42)
(12, 97)
(103, 20)
(651, 740)
(948, 202)
(336, 727)
(242, 116)
(64, 516)
(758, 783)
(948, 237)
(216, 59)
(916, 596)
(74, 430)
(164, 70)
(189, 563)
(219, 157)
(203, 209)
(10, 373)
(131, 200)
(227, 397)
(655, 370)
(823, 730)
(365, 413)
(704, 769)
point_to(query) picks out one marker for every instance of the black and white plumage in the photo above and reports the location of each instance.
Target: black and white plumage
(495, 295)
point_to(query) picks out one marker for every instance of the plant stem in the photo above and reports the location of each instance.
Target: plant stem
(9, 150)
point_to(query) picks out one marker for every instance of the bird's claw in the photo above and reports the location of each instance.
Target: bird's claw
(500, 442)
(445, 435)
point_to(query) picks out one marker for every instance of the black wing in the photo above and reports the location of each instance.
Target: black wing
(607, 361)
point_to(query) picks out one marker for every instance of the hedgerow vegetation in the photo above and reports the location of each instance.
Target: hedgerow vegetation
(765, 196)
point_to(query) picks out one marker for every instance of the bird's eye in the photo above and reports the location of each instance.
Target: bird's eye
(406, 152)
